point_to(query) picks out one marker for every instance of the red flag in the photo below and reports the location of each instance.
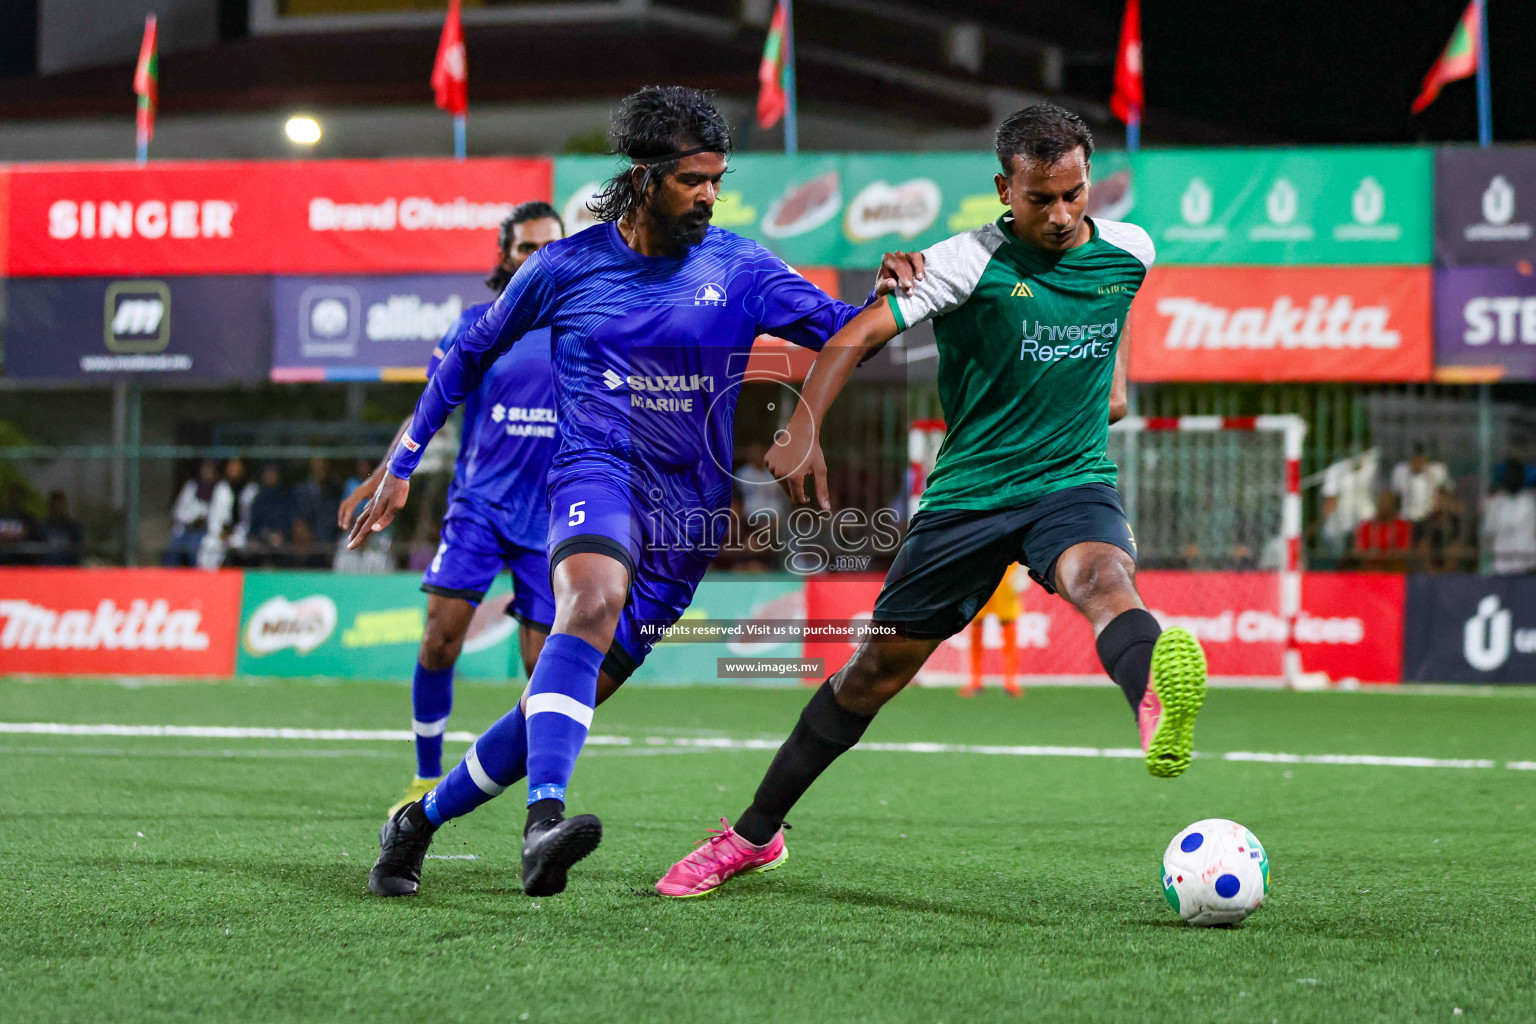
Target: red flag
(450, 72)
(1127, 101)
(1459, 60)
(771, 98)
(146, 82)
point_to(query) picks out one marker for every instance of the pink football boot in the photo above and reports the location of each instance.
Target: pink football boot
(722, 856)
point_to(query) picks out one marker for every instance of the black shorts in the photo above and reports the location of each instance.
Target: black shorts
(952, 560)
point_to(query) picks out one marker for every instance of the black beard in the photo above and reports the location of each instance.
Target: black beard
(685, 232)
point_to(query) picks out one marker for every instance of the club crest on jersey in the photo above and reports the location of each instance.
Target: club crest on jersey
(709, 295)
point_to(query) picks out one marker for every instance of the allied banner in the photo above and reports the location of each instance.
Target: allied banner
(171, 622)
(1485, 323)
(1485, 206)
(1284, 206)
(1470, 629)
(268, 217)
(1350, 625)
(1282, 324)
(365, 328)
(161, 329)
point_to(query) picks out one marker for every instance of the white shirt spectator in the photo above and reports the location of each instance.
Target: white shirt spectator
(1417, 487)
(1509, 529)
(190, 511)
(1351, 483)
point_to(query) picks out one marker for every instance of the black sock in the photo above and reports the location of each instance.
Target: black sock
(824, 731)
(543, 810)
(1125, 650)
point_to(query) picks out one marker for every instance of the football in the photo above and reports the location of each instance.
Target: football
(1215, 872)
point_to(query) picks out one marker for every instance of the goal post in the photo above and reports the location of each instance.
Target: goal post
(1215, 505)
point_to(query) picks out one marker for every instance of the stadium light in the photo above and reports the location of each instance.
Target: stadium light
(303, 130)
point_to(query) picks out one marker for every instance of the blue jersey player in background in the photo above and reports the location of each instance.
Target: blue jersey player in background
(653, 313)
(497, 513)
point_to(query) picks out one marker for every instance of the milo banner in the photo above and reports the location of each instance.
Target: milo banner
(1485, 206)
(360, 627)
(1284, 206)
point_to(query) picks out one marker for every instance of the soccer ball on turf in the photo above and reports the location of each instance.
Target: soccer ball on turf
(1215, 872)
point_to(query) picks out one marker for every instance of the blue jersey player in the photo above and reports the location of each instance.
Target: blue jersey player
(653, 314)
(497, 516)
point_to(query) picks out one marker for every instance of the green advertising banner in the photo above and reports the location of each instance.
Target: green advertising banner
(1228, 206)
(1285, 206)
(360, 627)
(734, 597)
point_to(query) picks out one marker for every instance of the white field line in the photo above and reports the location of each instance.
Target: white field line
(728, 743)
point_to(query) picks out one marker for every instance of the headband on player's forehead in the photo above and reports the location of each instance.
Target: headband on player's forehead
(645, 161)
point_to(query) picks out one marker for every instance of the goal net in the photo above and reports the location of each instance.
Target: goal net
(1215, 506)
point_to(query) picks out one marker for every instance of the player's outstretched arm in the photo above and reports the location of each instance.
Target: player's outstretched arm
(363, 491)
(796, 451)
(387, 502)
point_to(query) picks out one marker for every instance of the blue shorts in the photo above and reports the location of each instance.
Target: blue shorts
(470, 556)
(593, 512)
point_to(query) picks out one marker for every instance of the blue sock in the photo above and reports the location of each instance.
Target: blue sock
(431, 701)
(493, 762)
(561, 696)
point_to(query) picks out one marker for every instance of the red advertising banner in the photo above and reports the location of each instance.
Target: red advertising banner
(166, 622)
(1282, 324)
(1350, 625)
(283, 217)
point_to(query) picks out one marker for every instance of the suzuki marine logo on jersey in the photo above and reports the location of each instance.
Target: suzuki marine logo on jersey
(524, 422)
(612, 379)
(138, 316)
(1048, 343)
(642, 389)
(709, 295)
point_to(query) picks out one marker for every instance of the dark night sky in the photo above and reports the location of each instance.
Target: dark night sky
(1330, 71)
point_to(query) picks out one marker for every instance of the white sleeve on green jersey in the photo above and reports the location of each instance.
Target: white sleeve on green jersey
(950, 273)
(1129, 237)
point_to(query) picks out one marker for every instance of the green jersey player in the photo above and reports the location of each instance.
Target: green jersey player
(1029, 314)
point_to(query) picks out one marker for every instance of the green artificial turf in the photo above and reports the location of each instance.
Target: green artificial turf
(161, 878)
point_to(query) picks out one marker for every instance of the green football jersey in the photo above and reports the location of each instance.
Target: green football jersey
(1027, 344)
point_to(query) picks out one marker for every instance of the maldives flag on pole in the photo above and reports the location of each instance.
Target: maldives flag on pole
(771, 99)
(1458, 61)
(146, 83)
(1127, 101)
(450, 72)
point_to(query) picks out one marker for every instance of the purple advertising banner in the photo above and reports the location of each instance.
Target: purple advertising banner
(159, 329)
(365, 328)
(1485, 324)
(1485, 206)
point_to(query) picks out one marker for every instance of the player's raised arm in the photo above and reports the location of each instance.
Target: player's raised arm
(523, 306)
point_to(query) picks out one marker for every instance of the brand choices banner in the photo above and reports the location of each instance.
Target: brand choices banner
(365, 328)
(164, 329)
(178, 622)
(292, 217)
(1471, 629)
(1350, 625)
(1284, 206)
(1485, 205)
(1282, 324)
(1485, 323)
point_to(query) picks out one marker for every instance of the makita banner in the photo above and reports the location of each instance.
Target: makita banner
(159, 329)
(1282, 324)
(366, 328)
(292, 217)
(1485, 206)
(1350, 625)
(178, 622)
(1485, 324)
(1471, 629)
(1284, 206)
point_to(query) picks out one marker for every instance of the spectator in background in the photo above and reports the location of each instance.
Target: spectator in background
(375, 557)
(189, 516)
(315, 500)
(229, 516)
(271, 520)
(1348, 491)
(63, 538)
(1385, 542)
(1417, 480)
(1442, 542)
(19, 539)
(1509, 524)
(759, 491)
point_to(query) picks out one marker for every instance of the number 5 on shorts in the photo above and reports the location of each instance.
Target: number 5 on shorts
(578, 515)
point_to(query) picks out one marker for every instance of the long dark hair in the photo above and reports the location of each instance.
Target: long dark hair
(534, 209)
(654, 128)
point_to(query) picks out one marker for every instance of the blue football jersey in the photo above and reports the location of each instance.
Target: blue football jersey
(649, 355)
(509, 436)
